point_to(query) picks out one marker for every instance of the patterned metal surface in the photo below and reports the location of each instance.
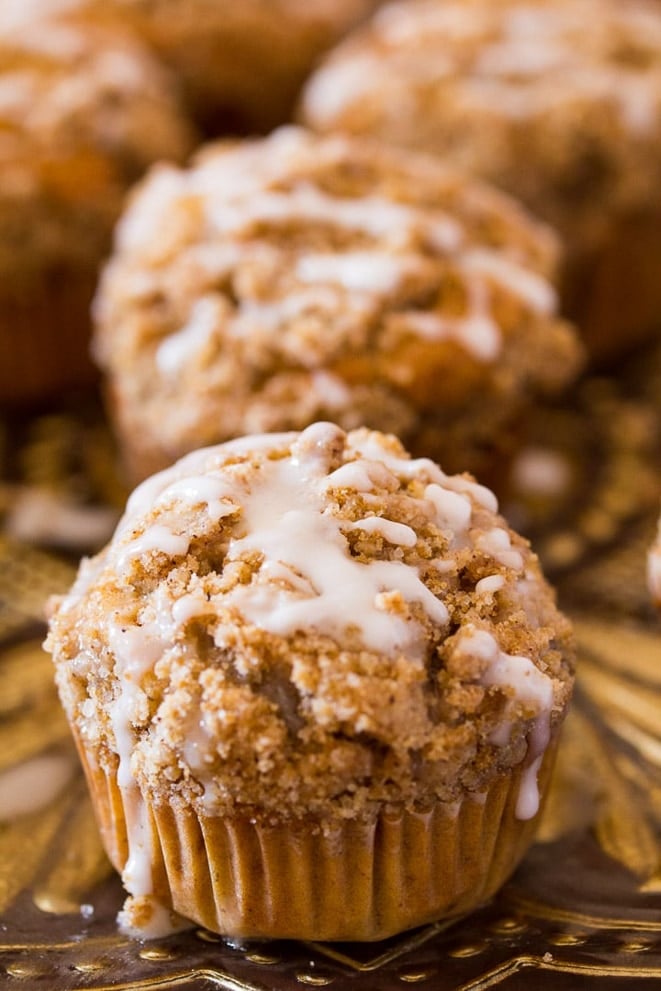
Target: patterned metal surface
(584, 909)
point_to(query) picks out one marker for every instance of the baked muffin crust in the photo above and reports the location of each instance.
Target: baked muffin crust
(312, 625)
(281, 281)
(83, 112)
(557, 102)
(520, 93)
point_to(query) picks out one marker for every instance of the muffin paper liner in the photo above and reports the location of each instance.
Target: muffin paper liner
(614, 292)
(350, 880)
(44, 337)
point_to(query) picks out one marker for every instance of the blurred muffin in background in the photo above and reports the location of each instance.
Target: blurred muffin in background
(295, 278)
(241, 62)
(556, 101)
(83, 112)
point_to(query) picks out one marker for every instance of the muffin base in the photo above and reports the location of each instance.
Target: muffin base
(44, 337)
(349, 880)
(614, 294)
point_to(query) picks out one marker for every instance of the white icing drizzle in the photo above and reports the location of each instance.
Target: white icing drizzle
(362, 476)
(283, 517)
(527, 285)
(188, 607)
(496, 543)
(148, 919)
(238, 208)
(358, 271)
(213, 492)
(136, 649)
(476, 330)
(492, 583)
(518, 60)
(394, 533)
(369, 447)
(285, 522)
(453, 510)
(137, 871)
(331, 89)
(274, 313)
(480, 493)
(530, 686)
(207, 314)
(156, 538)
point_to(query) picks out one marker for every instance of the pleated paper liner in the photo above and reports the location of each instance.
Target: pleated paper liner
(354, 879)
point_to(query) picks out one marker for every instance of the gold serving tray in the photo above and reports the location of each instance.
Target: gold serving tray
(584, 909)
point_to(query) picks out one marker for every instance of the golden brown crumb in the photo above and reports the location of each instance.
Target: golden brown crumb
(298, 278)
(310, 625)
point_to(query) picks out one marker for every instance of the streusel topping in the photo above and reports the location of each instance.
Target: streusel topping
(514, 91)
(308, 624)
(281, 281)
(83, 111)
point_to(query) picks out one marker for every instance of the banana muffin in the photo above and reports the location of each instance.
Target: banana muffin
(555, 101)
(83, 113)
(294, 278)
(316, 686)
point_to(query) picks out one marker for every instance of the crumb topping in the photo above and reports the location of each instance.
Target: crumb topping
(310, 624)
(296, 278)
(84, 111)
(563, 115)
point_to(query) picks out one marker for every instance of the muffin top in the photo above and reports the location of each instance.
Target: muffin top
(298, 277)
(240, 64)
(558, 100)
(83, 112)
(307, 624)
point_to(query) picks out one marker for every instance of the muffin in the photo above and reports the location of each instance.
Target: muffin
(83, 113)
(295, 278)
(241, 64)
(316, 687)
(556, 101)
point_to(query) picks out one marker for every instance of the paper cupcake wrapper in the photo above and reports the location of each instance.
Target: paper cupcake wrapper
(614, 292)
(44, 337)
(357, 880)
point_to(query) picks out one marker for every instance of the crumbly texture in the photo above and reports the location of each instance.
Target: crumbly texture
(565, 116)
(297, 278)
(212, 649)
(84, 111)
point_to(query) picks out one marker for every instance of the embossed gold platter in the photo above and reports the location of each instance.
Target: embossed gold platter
(584, 909)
